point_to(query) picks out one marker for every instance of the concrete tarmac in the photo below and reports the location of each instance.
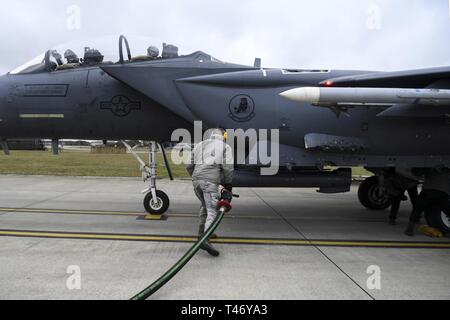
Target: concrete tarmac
(276, 244)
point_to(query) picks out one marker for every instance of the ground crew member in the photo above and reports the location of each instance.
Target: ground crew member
(396, 185)
(435, 191)
(212, 165)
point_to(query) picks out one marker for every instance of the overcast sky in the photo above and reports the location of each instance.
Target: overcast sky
(353, 34)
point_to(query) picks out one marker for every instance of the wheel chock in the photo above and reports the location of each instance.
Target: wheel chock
(431, 232)
(155, 217)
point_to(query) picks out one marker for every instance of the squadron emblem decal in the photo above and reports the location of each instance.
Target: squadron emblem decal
(121, 105)
(242, 108)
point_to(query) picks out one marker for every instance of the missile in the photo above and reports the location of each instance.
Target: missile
(383, 96)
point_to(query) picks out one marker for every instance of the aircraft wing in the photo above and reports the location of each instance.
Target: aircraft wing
(421, 78)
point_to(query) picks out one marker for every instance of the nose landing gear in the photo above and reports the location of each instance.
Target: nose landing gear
(156, 202)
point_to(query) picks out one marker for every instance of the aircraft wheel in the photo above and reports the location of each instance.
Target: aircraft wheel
(373, 196)
(437, 218)
(158, 207)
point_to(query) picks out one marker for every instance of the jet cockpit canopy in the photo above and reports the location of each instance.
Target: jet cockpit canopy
(77, 54)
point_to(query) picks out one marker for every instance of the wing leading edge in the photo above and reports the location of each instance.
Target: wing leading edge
(420, 78)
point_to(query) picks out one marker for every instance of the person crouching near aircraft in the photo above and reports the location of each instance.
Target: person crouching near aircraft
(396, 185)
(435, 192)
(212, 165)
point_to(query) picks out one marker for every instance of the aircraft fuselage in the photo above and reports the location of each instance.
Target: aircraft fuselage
(149, 100)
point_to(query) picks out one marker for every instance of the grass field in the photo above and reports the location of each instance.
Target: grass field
(79, 163)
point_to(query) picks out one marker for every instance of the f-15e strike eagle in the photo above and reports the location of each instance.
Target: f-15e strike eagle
(326, 118)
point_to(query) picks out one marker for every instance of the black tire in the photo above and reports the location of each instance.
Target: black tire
(436, 218)
(159, 208)
(373, 196)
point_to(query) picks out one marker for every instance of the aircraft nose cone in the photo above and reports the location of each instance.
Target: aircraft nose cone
(304, 94)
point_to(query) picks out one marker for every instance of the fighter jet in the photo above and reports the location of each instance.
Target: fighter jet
(326, 118)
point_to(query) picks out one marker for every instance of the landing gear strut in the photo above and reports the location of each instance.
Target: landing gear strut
(156, 201)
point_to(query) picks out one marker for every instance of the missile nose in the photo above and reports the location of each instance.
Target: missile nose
(304, 94)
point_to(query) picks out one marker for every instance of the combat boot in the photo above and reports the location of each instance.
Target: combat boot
(208, 247)
(410, 230)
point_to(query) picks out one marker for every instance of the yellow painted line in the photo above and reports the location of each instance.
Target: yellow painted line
(29, 210)
(335, 243)
(38, 234)
(240, 217)
(118, 213)
(237, 241)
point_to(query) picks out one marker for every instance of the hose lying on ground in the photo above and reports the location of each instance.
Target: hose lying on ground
(158, 284)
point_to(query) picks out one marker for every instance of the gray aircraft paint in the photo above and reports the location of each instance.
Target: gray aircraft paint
(161, 96)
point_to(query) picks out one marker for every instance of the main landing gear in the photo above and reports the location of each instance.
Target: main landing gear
(156, 202)
(372, 195)
(438, 219)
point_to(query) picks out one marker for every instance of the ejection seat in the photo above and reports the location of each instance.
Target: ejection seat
(152, 54)
(169, 51)
(68, 66)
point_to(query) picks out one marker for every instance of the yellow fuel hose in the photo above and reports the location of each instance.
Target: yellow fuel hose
(161, 282)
